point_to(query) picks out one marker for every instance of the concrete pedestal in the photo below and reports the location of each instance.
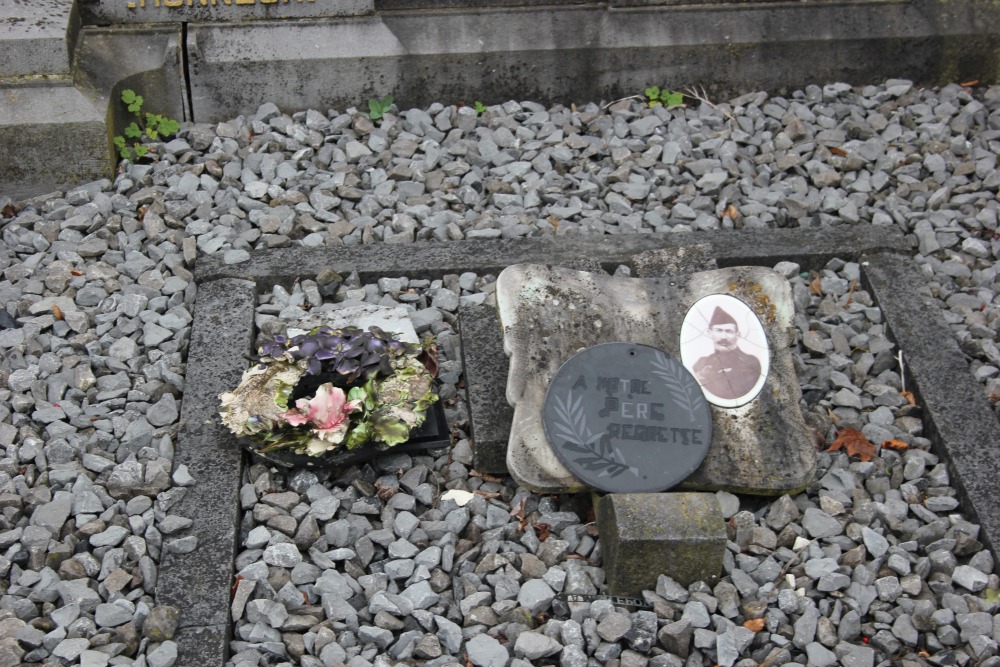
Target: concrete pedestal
(644, 535)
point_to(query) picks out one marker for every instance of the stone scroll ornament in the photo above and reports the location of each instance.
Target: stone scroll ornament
(759, 442)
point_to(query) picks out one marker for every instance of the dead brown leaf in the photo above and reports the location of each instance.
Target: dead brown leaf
(518, 513)
(815, 287)
(731, 212)
(9, 211)
(542, 530)
(236, 583)
(838, 151)
(487, 494)
(485, 477)
(898, 445)
(429, 358)
(854, 443)
(554, 221)
(384, 492)
(910, 398)
(970, 84)
(850, 292)
(57, 312)
(754, 625)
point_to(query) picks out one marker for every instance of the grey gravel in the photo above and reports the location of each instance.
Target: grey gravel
(877, 551)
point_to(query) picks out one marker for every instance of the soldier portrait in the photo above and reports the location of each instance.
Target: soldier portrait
(724, 346)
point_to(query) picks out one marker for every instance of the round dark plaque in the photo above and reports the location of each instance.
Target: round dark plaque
(627, 418)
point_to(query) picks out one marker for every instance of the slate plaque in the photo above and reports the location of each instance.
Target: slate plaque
(627, 418)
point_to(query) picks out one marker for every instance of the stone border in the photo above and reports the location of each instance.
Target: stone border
(957, 416)
(200, 583)
(433, 260)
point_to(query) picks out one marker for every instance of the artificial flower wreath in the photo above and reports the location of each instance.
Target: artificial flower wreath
(347, 387)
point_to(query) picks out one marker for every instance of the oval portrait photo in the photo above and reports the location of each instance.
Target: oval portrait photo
(724, 346)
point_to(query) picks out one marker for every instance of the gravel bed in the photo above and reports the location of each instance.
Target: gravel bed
(873, 564)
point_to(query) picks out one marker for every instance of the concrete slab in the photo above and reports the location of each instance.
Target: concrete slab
(35, 37)
(426, 51)
(316, 65)
(200, 582)
(764, 247)
(109, 12)
(54, 132)
(52, 136)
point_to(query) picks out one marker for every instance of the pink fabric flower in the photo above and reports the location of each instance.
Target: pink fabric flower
(328, 412)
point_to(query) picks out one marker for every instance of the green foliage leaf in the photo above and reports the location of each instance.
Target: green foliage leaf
(672, 99)
(140, 150)
(375, 109)
(119, 142)
(386, 103)
(480, 107)
(152, 134)
(992, 595)
(133, 131)
(653, 93)
(168, 126)
(136, 105)
(128, 96)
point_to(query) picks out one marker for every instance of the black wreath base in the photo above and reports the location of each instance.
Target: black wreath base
(432, 434)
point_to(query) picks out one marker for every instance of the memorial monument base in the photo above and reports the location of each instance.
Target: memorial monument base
(644, 535)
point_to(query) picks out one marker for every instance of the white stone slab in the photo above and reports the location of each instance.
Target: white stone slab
(391, 319)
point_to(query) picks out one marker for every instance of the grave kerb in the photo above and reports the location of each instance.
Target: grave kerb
(937, 371)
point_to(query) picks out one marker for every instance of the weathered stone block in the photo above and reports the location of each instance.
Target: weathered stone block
(644, 535)
(51, 136)
(35, 37)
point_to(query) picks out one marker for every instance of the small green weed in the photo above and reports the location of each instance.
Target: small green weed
(153, 128)
(378, 108)
(667, 98)
(480, 107)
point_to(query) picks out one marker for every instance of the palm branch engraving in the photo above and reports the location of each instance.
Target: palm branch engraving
(571, 426)
(681, 388)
